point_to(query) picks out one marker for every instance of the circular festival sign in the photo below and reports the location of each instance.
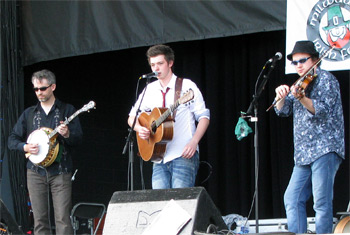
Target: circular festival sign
(329, 25)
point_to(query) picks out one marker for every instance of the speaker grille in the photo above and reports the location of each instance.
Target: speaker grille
(130, 212)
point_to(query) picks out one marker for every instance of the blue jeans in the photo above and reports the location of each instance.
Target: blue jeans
(178, 173)
(316, 179)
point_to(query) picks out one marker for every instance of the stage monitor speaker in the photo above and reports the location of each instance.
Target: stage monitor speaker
(7, 224)
(132, 212)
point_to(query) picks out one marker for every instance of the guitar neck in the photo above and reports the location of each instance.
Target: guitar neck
(166, 114)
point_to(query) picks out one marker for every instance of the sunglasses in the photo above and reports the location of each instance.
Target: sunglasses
(301, 61)
(41, 88)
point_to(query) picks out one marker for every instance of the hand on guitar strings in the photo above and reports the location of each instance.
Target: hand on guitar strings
(143, 132)
(63, 130)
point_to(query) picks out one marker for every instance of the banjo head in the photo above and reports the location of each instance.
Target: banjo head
(41, 138)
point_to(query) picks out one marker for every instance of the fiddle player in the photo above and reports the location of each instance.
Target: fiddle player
(56, 178)
(319, 149)
(179, 166)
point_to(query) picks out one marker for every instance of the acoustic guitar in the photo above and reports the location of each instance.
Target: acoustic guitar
(161, 126)
(46, 138)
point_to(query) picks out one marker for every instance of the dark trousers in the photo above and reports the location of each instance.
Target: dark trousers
(61, 192)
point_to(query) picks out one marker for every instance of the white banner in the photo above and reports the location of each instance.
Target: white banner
(326, 23)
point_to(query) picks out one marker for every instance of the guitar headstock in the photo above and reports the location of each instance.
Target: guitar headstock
(189, 95)
(88, 106)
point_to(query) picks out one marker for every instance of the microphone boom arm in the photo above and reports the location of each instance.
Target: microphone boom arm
(261, 87)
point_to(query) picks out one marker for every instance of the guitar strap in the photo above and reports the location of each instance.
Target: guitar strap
(178, 87)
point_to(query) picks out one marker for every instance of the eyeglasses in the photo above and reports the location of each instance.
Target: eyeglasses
(41, 88)
(301, 61)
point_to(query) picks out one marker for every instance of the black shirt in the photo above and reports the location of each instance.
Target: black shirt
(38, 119)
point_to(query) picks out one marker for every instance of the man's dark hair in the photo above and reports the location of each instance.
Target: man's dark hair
(161, 50)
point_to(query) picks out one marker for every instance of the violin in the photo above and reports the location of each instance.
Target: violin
(304, 80)
(302, 84)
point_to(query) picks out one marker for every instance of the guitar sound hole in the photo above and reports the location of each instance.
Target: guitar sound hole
(153, 127)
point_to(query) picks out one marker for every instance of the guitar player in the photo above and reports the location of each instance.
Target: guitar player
(48, 113)
(179, 165)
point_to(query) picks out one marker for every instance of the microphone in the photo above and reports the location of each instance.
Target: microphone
(149, 75)
(276, 57)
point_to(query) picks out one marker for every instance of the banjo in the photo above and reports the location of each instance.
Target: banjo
(46, 139)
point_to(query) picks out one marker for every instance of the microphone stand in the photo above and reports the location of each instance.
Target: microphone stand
(254, 118)
(130, 142)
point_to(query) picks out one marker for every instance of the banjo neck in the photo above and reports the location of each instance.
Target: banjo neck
(86, 107)
(66, 122)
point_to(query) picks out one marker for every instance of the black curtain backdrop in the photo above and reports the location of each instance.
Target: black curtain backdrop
(73, 28)
(225, 69)
(12, 165)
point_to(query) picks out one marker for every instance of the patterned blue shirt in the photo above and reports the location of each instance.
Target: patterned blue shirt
(320, 133)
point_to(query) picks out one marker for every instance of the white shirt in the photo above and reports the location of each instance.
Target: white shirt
(186, 115)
